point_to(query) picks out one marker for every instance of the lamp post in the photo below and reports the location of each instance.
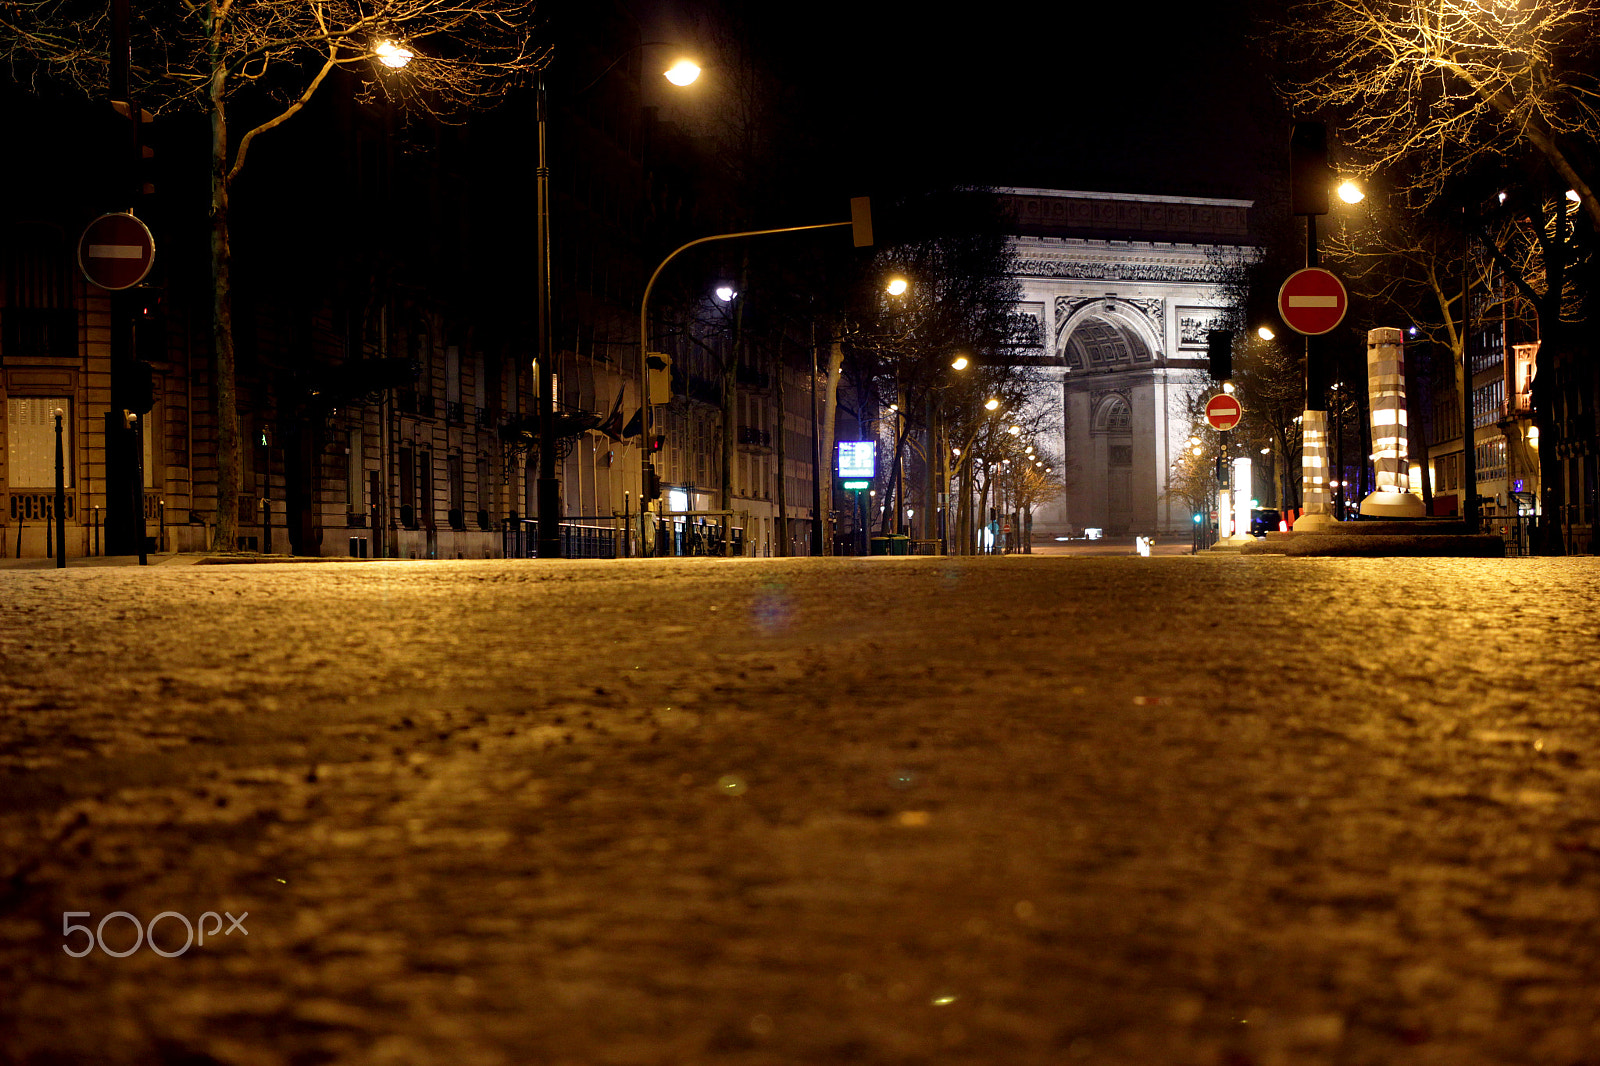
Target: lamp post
(938, 464)
(548, 489)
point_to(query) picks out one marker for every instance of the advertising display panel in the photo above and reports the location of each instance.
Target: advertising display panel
(857, 460)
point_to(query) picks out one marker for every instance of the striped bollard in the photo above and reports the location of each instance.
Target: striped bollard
(1386, 398)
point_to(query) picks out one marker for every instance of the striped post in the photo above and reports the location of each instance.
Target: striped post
(1386, 396)
(1314, 462)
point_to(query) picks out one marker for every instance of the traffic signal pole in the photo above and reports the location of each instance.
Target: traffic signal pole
(860, 223)
(124, 446)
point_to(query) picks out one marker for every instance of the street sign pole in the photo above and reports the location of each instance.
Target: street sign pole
(115, 253)
(1313, 302)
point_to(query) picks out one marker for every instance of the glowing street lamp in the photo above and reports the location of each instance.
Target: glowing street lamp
(1351, 193)
(991, 405)
(547, 486)
(959, 363)
(683, 72)
(897, 286)
(1265, 333)
(393, 55)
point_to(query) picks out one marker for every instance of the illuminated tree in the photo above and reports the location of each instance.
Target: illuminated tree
(1427, 89)
(271, 57)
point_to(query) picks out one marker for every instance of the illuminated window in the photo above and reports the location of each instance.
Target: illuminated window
(31, 440)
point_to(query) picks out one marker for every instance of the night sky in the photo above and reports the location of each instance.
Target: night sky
(1160, 99)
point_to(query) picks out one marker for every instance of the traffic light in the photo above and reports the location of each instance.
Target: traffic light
(657, 441)
(142, 177)
(134, 387)
(1309, 173)
(652, 484)
(1219, 353)
(150, 332)
(659, 365)
(861, 221)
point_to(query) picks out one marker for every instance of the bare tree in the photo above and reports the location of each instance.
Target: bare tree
(960, 300)
(1440, 85)
(440, 56)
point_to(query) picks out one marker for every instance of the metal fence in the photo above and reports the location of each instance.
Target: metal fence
(674, 534)
(582, 537)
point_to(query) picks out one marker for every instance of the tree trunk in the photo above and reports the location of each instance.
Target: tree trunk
(730, 373)
(225, 537)
(782, 530)
(960, 512)
(830, 413)
(983, 514)
(891, 495)
(1549, 541)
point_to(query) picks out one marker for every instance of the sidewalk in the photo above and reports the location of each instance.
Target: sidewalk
(164, 559)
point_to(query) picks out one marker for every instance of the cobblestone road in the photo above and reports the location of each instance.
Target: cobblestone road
(1025, 810)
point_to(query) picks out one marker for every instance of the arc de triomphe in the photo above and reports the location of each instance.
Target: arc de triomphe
(1124, 289)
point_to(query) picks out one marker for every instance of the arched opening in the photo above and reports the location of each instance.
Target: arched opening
(1103, 340)
(1113, 432)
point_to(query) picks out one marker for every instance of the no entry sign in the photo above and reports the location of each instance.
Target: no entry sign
(1312, 301)
(116, 251)
(1223, 412)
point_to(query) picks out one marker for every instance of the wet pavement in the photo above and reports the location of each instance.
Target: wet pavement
(1048, 809)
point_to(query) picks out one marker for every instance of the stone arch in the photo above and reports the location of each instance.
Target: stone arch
(1113, 416)
(1107, 333)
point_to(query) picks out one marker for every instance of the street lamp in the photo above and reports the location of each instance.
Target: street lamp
(1351, 193)
(897, 286)
(683, 72)
(393, 55)
(549, 487)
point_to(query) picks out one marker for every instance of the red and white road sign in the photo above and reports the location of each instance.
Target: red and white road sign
(1312, 301)
(1223, 412)
(116, 251)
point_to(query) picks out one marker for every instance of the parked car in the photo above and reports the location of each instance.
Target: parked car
(1264, 521)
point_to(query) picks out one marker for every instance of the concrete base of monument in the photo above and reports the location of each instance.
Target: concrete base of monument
(1399, 538)
(1403, 505)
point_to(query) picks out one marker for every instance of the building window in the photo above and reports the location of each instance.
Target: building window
(1487, 403)
(456, 469)
(425, 489)
(355, 475)
(38, 320)
(31, 440)
(452, 374)
(1492, 460)
(408, 488)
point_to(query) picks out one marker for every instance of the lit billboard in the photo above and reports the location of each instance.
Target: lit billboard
(857, 459)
